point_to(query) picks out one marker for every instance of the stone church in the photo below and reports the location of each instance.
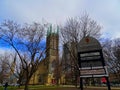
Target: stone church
(46, 70)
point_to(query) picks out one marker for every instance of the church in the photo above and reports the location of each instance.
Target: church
(47, 72)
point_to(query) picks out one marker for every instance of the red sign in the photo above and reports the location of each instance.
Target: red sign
(103, 80)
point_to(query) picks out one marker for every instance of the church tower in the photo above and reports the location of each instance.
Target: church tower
(46, 73)
(13, 66)
(52, 54)
(12, 78)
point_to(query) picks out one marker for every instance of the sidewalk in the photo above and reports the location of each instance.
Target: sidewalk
(93, 87)
(70, 87)
(102, 88)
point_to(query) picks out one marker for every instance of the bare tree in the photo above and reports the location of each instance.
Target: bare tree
(77, 28)
(71, 34)
(16, 71)
(112, 57)
(27, 42)
(4, 68)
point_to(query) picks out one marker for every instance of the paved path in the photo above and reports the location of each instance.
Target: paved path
(89, 88)
(73, 88)
(101, 88)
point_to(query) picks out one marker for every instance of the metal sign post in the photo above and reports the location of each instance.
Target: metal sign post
(91, 61)
(81, 84)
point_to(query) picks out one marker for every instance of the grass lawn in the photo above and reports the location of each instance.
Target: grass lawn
(38, 87)
(9, 88)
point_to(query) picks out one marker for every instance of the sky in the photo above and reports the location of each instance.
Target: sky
(105, 12)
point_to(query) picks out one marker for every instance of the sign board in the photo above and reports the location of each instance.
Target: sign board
(91, 61)
(91, 58)
(89, 44)
(93, 72)
(91, 64)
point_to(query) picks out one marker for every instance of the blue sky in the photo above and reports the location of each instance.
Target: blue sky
(105, 12)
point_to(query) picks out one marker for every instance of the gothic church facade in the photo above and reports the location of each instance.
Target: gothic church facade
(46, 70)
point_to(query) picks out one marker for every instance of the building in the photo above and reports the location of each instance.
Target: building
(69, 63)
(7, 72)
(12, 77)
(46, 73)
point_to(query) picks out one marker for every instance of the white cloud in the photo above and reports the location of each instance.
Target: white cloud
(6, 51)
(106, 12)
(51, 10)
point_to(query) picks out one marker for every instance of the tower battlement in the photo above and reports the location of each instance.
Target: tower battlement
(53, 30)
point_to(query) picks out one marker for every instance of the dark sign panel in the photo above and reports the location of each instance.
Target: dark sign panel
(89, 44)
(93, 72)
(91, 64)
(91, 61)
(90, 56)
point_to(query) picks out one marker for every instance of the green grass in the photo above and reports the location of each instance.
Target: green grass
(9, 88)
(43, 87)
(33, 87)
(38, 87)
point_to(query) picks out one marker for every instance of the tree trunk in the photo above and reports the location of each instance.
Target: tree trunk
(26, 85)
(76, 81)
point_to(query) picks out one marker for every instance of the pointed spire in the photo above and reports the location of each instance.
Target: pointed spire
(57, 29)
(50, 28)
(48, 32)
